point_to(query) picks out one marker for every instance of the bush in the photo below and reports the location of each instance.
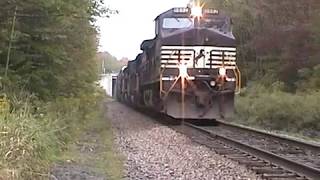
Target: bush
(309, 79)
(277, 110)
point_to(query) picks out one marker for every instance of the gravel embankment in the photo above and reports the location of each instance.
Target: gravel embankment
(154, 151)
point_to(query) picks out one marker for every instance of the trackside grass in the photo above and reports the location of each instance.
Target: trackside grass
(34, 134)
(292, 113)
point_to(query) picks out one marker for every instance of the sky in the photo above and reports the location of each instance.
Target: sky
(122, 34)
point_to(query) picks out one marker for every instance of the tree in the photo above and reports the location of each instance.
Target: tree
(109, 63)
(54, 45)
(275, 38)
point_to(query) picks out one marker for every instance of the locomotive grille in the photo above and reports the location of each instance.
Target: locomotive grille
(171, 57)
(224, 57)
(214, 57)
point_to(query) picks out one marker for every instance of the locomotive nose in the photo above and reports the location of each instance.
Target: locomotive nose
(200, 37)
(202, 99)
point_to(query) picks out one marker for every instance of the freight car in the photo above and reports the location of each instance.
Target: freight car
(188, 70)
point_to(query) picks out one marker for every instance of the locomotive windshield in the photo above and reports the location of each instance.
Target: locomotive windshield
(170, 25)
(177, 23)
(220, 24)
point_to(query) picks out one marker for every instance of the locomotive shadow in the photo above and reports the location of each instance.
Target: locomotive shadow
(161, 118)
(170, 121)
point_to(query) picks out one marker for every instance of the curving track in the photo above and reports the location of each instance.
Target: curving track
(271, 156)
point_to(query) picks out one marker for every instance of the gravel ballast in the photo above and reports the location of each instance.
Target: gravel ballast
(154, 151)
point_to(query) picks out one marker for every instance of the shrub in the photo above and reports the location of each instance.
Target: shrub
(278, 110)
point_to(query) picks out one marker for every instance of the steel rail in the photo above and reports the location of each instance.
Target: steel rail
(298, 168)
(289, 141)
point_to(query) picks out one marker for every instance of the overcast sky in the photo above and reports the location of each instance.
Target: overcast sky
(122, 34)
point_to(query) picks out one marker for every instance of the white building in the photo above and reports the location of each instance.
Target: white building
(106, 83)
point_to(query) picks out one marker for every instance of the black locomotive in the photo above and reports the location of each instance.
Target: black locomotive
(188, 70)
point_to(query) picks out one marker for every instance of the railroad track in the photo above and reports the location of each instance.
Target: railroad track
(270, 156)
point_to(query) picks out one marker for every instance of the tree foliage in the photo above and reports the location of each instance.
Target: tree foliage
(53, 45)
(278, 52)
(110, 64)
(275, 38)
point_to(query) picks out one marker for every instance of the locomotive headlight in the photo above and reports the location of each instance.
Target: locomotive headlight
(222, 71)
(213, 83)
(183, 70)
(196, 11)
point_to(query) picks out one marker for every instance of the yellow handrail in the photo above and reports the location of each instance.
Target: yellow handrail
(237, 73)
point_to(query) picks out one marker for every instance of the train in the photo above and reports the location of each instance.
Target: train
(188, 70)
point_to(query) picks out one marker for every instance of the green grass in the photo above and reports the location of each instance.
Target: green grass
(27, 143)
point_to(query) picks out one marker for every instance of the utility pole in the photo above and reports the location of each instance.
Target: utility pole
(103, 66)
(10, 41)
